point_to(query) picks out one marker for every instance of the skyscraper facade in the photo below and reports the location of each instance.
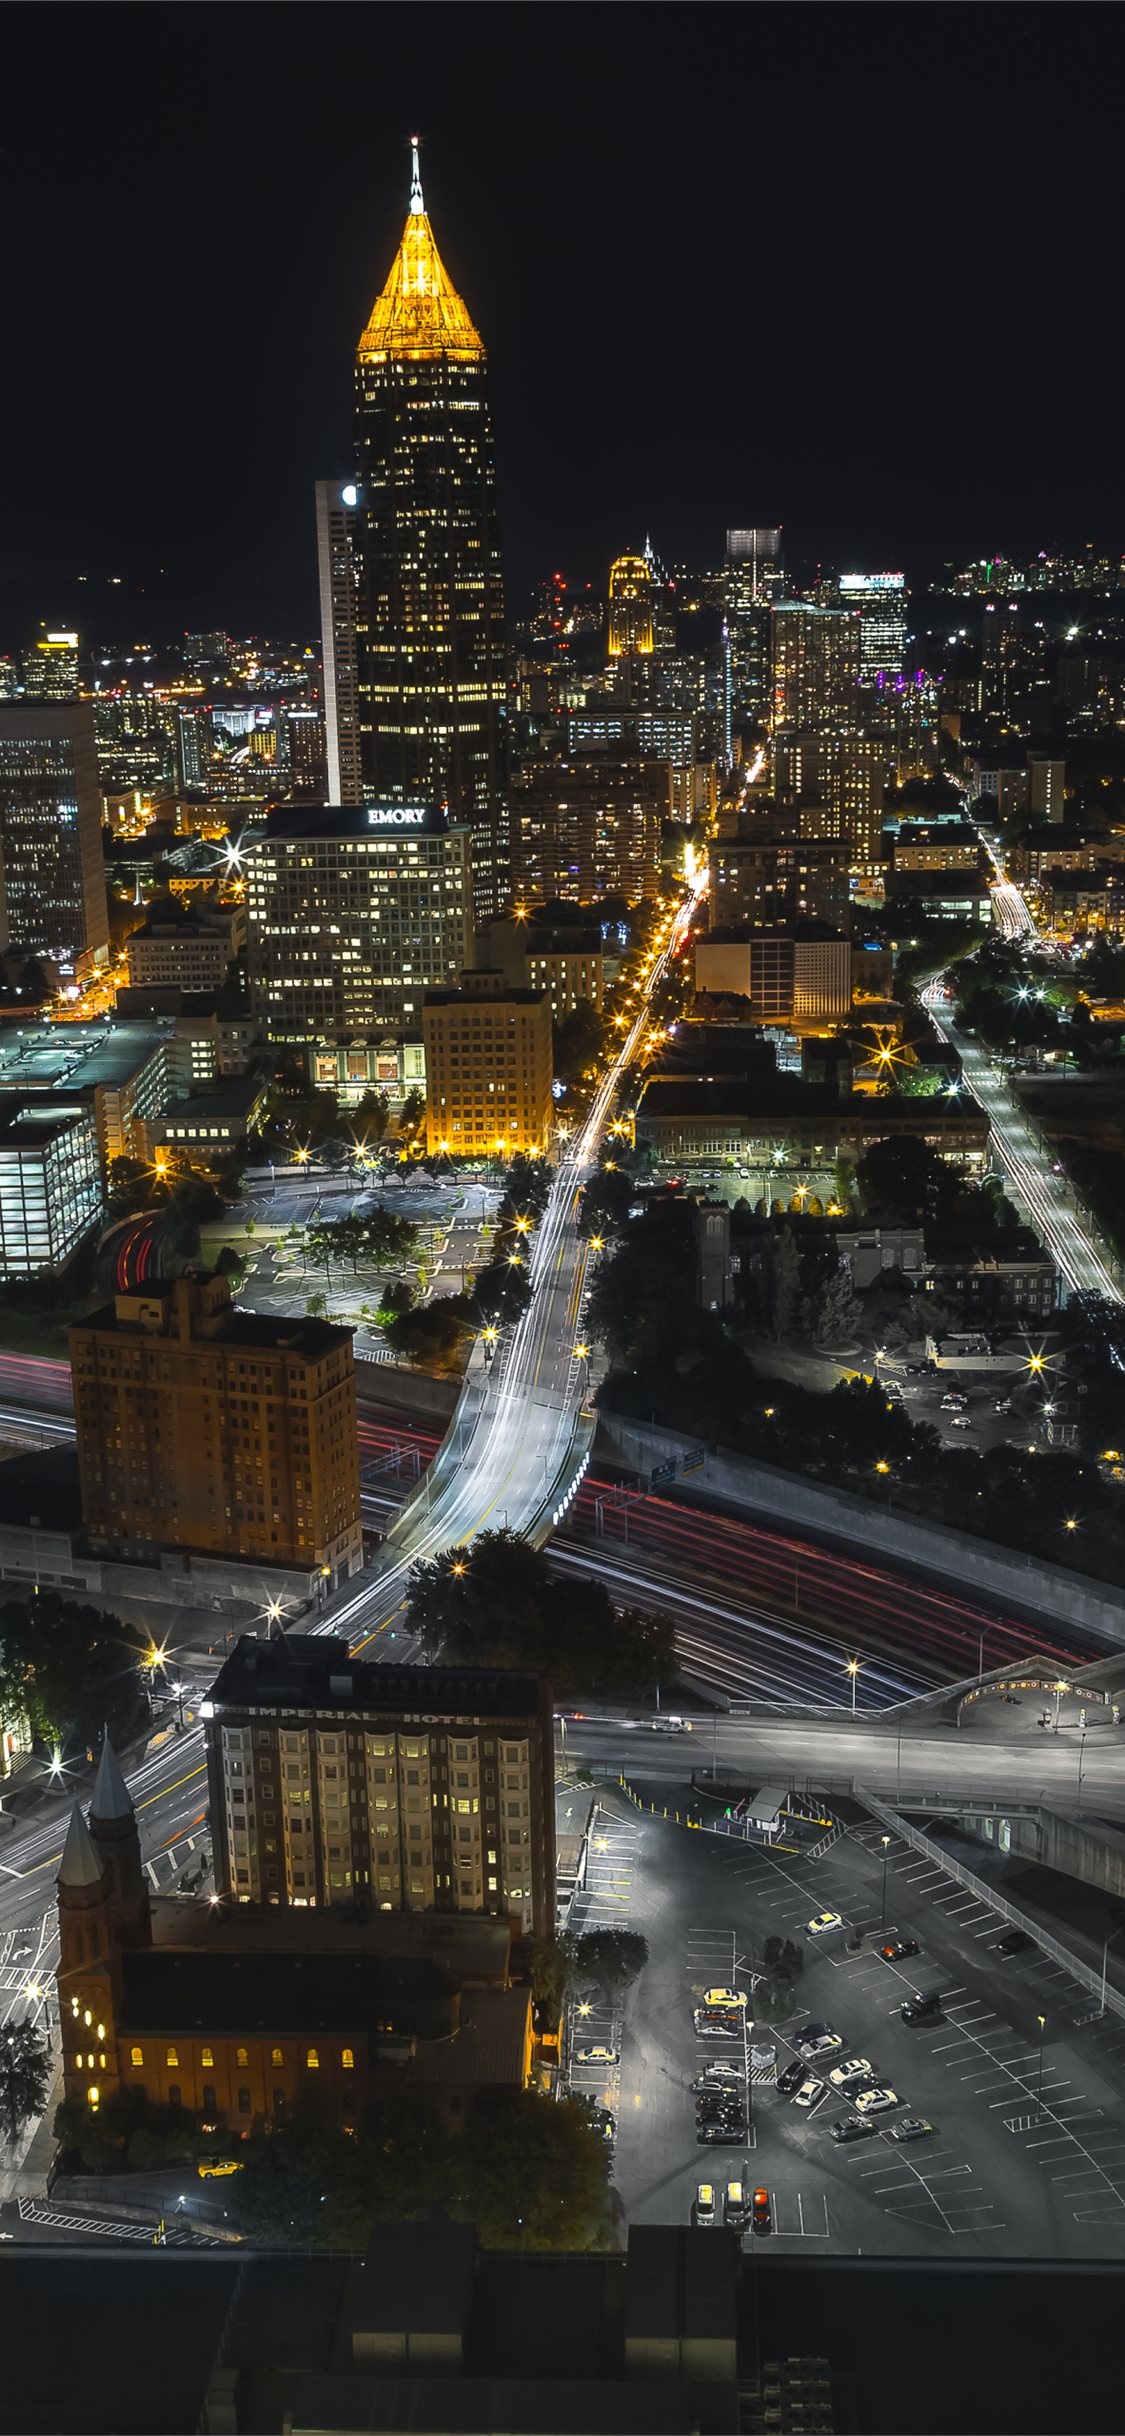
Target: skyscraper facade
(881, 602)
(815, 665)
(630, 607)
(337, 518)
(430, 606)
(52, 872)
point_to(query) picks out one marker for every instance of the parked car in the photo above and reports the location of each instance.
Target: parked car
(703, 2207)
(897, 1949)
(823, 1922)
(735, 2209)
(723, 1998)
(710, 2023)
(720, 2135)
(853, 2127)
(810, 2092)
(719, 2076)
(818, 2038)
(215, 2168)
(912, 2127)
(857, 2068)
(598, 2054)
(790, 2079)
(1014, 1941)
(919, 2008)
(761, 2217)
(876, 2101)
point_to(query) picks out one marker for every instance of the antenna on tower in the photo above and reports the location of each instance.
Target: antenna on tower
(416, 203)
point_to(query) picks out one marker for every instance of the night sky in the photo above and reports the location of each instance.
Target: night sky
(853, 269)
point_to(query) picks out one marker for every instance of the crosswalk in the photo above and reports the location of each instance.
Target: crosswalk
(174, 2235)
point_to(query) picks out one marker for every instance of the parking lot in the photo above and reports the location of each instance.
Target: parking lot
(971, 1418)
(1027, 2153)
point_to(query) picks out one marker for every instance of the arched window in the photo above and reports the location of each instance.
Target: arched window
(348, 2060)
(207, 2060)
(244, 2102)
(93, 2100)
(312, 2060)
(172, 2056)
(175, 2094)
(276, 2056)
(243, 2056)
(210, 2103)
(136, 2057)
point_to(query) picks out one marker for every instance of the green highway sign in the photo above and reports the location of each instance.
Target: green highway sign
(662, 1473)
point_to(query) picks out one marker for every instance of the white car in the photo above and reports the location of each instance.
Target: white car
(857, 2068)
(596, 2055)
(809, 2092)
(823, 1921)
(821, 2042)
(876, 2101)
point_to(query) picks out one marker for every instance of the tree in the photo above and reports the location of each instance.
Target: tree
(371, 1117)
(496, 1604)
(610, 1959)
(66, 1667)
(531, 2174)
(433, 1332)
(412, 1111)
(26, 2070)
(580, 1041)
(836, 1308)
(552, 1967)
(905, 1179)
(779, 1283)
(228, 1262)
(606, 1203)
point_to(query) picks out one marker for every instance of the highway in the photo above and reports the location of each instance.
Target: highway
(1041, 1196)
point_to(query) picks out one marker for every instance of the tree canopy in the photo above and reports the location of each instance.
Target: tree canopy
(496, 1603)
(66, 1667)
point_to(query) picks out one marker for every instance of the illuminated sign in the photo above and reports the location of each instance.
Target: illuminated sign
(395, 816)
(873, 583)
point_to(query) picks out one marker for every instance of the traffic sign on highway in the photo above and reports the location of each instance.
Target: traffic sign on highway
(662, 1473)
(696, 1460)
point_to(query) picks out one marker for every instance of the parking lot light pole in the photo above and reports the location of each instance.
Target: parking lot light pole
(1041, 2018)
(853, 1671)
(886, 1847)
(1059, 1688)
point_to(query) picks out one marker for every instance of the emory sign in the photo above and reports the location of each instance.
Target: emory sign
(388, 816)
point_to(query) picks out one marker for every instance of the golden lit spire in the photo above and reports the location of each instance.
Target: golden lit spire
(419, 312)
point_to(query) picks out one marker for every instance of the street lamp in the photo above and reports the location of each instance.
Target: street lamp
(178, 1690)
(1059, 1688)
(886, 1848)
(853, 1671)
(1041, 2018)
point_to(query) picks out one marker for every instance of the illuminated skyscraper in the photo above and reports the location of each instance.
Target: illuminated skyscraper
(815, 665)
(881, 602)
(430, 609)
(337, 516)
(630, 607)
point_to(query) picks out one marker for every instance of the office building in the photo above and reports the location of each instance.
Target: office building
(174, 950)
(50, 1181)
(430, 609)
(352, 916)
(202, 1427)
(858, 772)
(798, 977)
(761, 882)
(589, 829)
(52, 872)
(752, 577)
(489, 1068)
(399, 1788)
(50, 668)
(337, 517)
(126, 1073)
(304, 748)
(242, 2015)
(881, 602)
(631, 621)
(1046, 776)
(566, 962)
(774, 1121)
(814, 663)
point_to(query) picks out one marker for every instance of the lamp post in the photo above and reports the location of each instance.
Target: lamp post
(853, 1671)
(1059, 1688)
(179, 1690)
(886, 1848)
(1041, 2018)
(1081, 1758)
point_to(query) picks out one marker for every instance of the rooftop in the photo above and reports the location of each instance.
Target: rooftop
(367, 820)
(27, 1123)
(419, 313)
(473, 1945)
(76, 1057)
(302, 1670)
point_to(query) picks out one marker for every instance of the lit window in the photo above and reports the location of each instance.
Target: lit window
(136, 2056)
(312, 2060)
(243, 2055)
(276, 2056)
(207, 2059)
(347, 2059)
(171, 2056)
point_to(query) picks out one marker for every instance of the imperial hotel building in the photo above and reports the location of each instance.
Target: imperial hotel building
(333, 1781)
(352, 915)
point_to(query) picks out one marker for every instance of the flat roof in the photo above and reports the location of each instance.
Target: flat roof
(303, 1670)
(76, 1056)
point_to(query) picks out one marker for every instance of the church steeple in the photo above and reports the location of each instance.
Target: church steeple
(113, 1829)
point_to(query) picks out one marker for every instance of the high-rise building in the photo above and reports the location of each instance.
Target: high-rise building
(859, 770)
(589, 829)
(337, 519)
(394, 1788)
(430, 612)
(814, 657)
(630, 607)
(50, 668)
(489, 1068)
(881, 602)
(761, 883)
(352, 916)
(50, 1181)
(52, 871)
(224, 1432)
(753, 575)
(799, 976)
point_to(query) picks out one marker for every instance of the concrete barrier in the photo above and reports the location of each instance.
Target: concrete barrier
(998, 1575)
